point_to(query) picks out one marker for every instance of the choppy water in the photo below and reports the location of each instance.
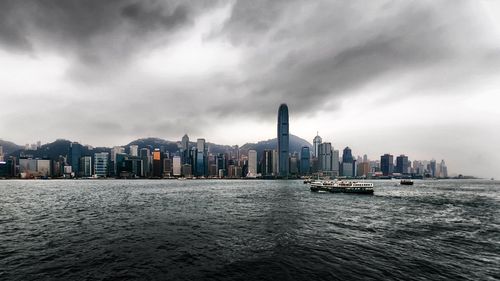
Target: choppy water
(247, 230)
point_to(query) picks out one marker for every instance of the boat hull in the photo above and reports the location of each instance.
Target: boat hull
(353, 190)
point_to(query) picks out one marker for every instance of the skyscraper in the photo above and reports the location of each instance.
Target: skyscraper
(316, 142)
(201, 157)
(252, 163)
(348, 163)
(283, 141)
(101, 164)
(387, 164)
(305, 160)
(75, 150)
(402, 164)
(134, 150)
(325, 157)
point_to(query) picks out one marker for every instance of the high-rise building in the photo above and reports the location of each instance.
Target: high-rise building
(185, 149)
(335, 163)
(86, 166)
(157, 164)
(402, 164)
(267, 163)
(348, 163)
(432, 168)
(220, 162)
(294, 164)
(75, 152)
(325, 158)
(305, 160)
(1, 153)
(443, 172)
(387, 164)
(176, 166)
(201, 158)
(252, 163)
(283, 141)
(316, 142)
(145, 155)
(134, 150)
(101, 164)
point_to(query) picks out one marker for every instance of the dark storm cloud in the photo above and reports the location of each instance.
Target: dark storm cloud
(313, 54)
(95, 32)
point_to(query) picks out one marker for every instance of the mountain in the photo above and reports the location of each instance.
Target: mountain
(61, 147)
(296, 144)
(9, 147)
(172, 146)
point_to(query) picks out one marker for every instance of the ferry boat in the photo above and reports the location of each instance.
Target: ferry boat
(406, 182)
(342, 186)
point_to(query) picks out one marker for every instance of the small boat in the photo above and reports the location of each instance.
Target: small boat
(306, 181)
(406, 182)
(342, 186)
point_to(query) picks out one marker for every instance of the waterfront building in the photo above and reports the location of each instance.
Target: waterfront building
(348, 163)
(305, 160)
(402, 164)
(167, 167)
(185, 149)
(363, 169)
(187, 170)
(86, 166)
(134, 150)
(1, 153)
(432, 168)
(443, 170)
(294, 164)
(157, 165)
(252, 163)
(283, 141)
(221, 165)
(201, 158)
(275, 162)
(335, 163)
(267, 163)
(75, 152)
(325, 158)
(101, 164)
(145, 155)
(176, 166)
(316, 142)
(387, 164)
(8, 168)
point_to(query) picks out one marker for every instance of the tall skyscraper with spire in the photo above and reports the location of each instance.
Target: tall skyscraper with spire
(316, 142)
(283, 141)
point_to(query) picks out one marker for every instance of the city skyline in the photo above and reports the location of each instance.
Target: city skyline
(417, 78)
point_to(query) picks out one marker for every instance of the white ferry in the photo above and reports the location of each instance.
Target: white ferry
(342, 186)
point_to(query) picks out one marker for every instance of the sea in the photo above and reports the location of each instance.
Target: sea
(247, 230)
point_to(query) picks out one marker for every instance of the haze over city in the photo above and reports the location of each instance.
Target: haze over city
(419, 78)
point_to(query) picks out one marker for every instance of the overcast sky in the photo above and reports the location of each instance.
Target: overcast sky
(414, 77)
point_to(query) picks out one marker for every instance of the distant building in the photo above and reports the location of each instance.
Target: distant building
(201, 158)
(75, 152)
(305, 160)
(134, 150)
(1, 153)
(325, 158)
(101, 161)
(283, 141)
(267, 163)
(335, 163)
(176, 166)
(348, 163)
(316, 142)
(157, 164)
(252, 163)
(86, 166)
(363, 169)
(432, 168)
(387, 164)
(402, 164)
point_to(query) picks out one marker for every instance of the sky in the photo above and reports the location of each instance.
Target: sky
(419, 78)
